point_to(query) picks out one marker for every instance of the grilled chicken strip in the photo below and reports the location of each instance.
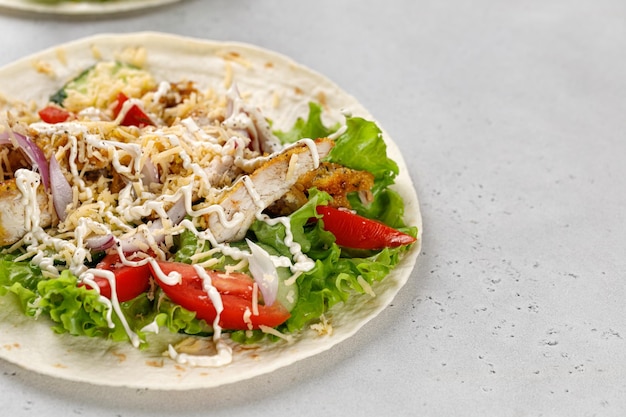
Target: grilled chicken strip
(334, 179)
(12, 220)
(263, 187)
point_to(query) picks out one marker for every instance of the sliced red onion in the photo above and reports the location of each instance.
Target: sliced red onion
(250, 123)
(32, 152)
(177, 212)
(233, 94)
(150, 173)
(138, 242)
(100, 242)
(62, 194)
(264, 272)
(261, 133)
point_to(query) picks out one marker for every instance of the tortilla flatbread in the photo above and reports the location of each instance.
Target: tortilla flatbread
(265, 75)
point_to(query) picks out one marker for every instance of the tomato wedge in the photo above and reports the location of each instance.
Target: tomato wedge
(236, 292)
(130, 281)
(358, 232)
(54, 114)
(135, 116)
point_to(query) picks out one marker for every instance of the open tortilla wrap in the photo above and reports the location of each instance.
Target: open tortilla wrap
(265, 75)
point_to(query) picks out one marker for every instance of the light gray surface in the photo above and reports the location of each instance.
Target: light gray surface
(512, 116)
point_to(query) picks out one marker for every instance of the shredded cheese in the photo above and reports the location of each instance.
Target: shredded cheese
(274, 332)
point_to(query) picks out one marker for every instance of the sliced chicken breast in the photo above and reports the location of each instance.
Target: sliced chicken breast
(12, 220)
(268, 183)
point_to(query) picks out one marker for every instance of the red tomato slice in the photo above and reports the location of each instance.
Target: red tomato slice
(234, 283)
(236, 293)
(54, 114)
(130, 281)
(134, 116)
(358, 232)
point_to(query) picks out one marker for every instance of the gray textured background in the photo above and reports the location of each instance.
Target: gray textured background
(512, 119)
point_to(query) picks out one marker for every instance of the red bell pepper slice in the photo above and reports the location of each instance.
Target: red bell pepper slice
(54, 114)
(358, 232)
(236, 292)
(135, 116)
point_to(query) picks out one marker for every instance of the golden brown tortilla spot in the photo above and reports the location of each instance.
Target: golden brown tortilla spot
(44, 67)
(155, 363)
(60, 366)
(135, 56)
(233, 56)
(95, 52)
(61, 55)
(120, 356)
(275, 99)
(321, 98)
(180, 368)
(228, 76)
(246, 347)
(269, 65)
(298, 91)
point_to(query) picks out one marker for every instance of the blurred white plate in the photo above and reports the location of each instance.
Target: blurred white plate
(81, 7)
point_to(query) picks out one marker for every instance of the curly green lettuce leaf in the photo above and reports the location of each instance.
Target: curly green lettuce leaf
(186, 246)
(311, 128)
(177, 319)
(74, 309)
(19, 279)
(79, 310)
(338, 273)
(361, 147)
(334, 279)
(387, 206)
(12, 272)
(303, 232)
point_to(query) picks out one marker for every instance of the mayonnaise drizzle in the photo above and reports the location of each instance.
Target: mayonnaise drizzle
(113, 303)
(223, 357)
(224, 351)
(134, 202)
(28, 181)
(162, 90)
(126, 107)
(36, 237)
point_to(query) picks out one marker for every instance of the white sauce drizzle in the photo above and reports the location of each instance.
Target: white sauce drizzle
(151, 327)
(339, 132)
(224, 351)
(162, 90)
(194, 129)
(126, 107)
(36, 237)
(28, 182)
(130, 209)
(88, 277)
(92, 113)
